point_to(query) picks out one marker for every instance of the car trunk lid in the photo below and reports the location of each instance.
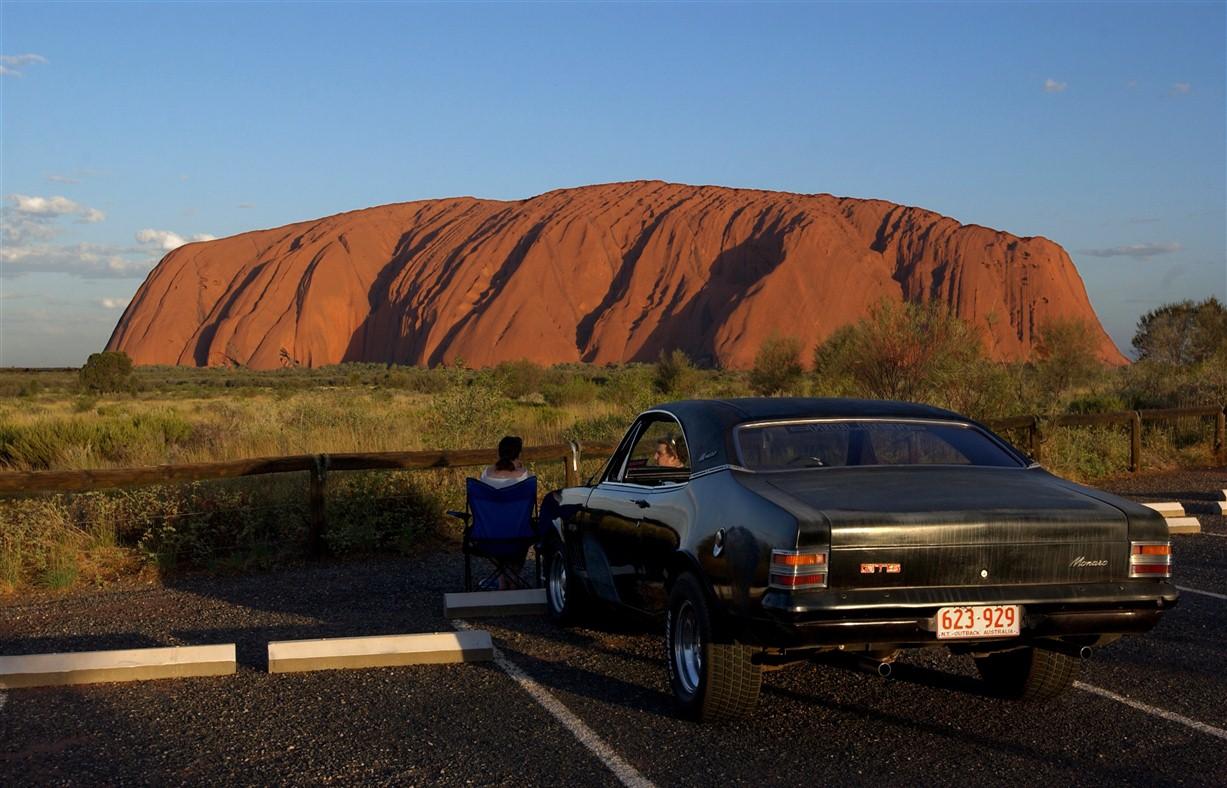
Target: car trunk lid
(920, 526)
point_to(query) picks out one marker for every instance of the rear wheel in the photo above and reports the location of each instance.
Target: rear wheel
(712, 677)
(563, 596)
(1031, 674)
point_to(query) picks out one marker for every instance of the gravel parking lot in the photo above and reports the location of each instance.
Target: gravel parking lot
(1150, 709)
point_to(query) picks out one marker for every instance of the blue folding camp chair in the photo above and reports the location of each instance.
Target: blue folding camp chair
(500, 525)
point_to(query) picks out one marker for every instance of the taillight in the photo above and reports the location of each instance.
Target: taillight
(1150, 559)
(794, 570)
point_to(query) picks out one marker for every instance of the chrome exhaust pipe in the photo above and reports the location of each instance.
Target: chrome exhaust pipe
(884, 669)
(1061, 647)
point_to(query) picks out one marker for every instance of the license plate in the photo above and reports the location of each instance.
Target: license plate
(979, 621)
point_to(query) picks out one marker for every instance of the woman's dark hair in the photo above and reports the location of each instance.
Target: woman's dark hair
(509, 449)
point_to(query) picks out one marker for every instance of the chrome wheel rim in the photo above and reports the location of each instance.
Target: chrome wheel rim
(558, 583)
(687, 648)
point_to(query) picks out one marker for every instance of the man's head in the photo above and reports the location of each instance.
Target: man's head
(666, 454)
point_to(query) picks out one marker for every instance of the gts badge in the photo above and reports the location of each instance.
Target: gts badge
(1081, 561)
(881, 569)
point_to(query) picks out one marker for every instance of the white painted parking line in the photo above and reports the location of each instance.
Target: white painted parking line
(1203, 593)
(1212, 533)
(628, 775)
(1167, 715)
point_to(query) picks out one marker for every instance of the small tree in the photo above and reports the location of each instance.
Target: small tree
(107, 371)
(675, 374)
(1067, 353)
(900, 351)
(1182, 333)
(777, 367)
(519, 378)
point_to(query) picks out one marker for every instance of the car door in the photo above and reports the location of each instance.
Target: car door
(634, 512)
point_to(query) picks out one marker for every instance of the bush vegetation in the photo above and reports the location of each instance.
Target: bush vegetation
(68, 419)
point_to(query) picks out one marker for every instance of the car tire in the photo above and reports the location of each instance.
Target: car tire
(712, 677)
(564, 598)
(1030, 674)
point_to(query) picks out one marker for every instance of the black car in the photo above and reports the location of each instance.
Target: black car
(767, 531)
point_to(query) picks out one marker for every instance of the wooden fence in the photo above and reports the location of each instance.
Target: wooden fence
(318, 465)
(15, 483)
(1035, 426)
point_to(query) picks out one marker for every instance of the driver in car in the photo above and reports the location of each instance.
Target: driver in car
(666, 454)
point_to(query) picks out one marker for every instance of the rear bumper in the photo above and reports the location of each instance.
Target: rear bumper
(906, 617)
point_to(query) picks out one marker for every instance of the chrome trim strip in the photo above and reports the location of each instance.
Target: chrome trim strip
(649, 488)
(720, 468)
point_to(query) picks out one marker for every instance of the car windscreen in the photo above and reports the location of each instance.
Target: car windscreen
(822, 444)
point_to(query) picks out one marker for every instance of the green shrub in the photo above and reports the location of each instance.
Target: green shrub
(676, 376)
(900, 351)
(466, 417)
(573, 391)
(1067, 353)
(1097, 403)
(632, 388)
(777, 367)
(519, 379)
(371, 512)
(107, 371)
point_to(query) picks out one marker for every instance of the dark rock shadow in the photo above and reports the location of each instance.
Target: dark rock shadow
(734, 274)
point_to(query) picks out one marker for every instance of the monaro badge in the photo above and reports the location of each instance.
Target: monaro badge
(881, 569)
(1081, 561)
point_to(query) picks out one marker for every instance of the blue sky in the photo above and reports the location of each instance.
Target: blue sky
(1101, 126)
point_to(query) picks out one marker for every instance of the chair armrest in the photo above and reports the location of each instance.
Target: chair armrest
(465, 516)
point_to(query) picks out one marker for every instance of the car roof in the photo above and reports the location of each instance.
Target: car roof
(708, 423)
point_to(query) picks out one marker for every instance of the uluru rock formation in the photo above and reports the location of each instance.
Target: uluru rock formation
(608, 273)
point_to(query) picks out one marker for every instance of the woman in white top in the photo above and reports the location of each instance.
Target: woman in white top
(508, 470)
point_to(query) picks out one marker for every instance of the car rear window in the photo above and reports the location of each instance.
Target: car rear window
(823, 444)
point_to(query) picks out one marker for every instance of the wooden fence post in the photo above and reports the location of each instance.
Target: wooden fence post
(1220, 434)
(1135, 441)
(319, 480)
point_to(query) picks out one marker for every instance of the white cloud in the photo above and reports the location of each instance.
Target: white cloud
(1135, 250)
(19, 229)
(1181, 88)
(11, 65)
(53, 207)
(114, 303)
(62, 179)
(167, 240)
(87, 260)
(21, 60)
(1052, 86)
